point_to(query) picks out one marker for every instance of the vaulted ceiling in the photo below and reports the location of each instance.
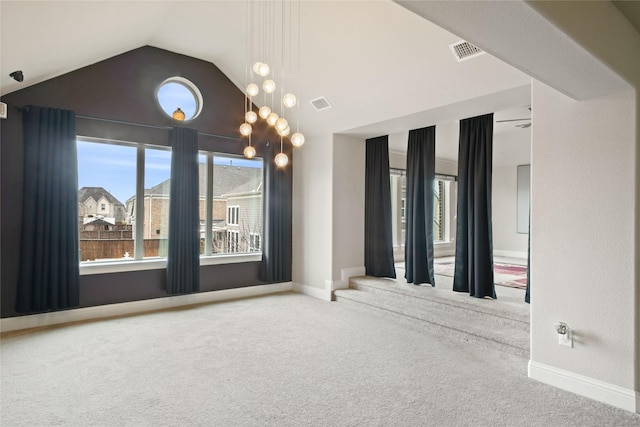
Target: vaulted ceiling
(383, 68)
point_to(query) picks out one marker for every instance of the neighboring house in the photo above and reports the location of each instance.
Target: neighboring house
(232, 185)
(156, 211)
(96, 202)
(244, 217)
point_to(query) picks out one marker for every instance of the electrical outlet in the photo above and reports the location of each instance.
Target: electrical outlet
(566, 339)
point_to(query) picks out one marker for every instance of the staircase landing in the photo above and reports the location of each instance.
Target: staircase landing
(502, 324)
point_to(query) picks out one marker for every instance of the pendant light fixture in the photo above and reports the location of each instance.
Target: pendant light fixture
(266, 71)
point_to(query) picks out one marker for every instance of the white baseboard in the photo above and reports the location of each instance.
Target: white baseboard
(312, 291)
(347, 273)
(585, 386)
(437, 253)
(510, 254)
(136, 307)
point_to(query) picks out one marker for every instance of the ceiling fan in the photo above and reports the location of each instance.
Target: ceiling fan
(520, 125)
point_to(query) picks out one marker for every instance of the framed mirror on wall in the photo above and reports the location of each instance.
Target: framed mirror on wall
(523, 197)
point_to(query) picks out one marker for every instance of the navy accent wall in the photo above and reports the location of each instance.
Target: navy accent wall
(123, 88)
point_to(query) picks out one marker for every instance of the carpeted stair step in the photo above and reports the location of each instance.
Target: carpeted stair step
(457, 322)
(503, 312)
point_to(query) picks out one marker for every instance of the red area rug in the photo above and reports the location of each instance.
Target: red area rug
(510, 275)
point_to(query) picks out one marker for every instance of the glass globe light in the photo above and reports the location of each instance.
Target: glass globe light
(245, 129)
(297, 139)
(281, 160)
(263, 69)
(252, 89)
(282, 123)
(256, 67)
(269, 86)
(284, 132)
(264, 112)
(251, 116)
(289, 100)
(178, 114)
(249, 152)
(272, 118)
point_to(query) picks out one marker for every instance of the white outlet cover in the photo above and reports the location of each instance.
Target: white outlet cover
(566, 340)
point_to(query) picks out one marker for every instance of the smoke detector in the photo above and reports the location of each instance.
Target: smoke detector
(464, 50)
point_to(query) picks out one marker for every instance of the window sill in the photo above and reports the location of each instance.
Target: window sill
(104, 267)
(230, 259)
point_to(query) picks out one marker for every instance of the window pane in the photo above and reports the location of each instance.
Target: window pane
(403, 199)
(173, 95)
(438, 210)
(202, 191)
(157, 184)
(398, 205)
(237, 204)
(106, 181)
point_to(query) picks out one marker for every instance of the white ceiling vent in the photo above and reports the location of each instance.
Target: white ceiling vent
(320, 103)
(463, 50)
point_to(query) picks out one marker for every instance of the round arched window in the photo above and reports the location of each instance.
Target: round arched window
(180, 99)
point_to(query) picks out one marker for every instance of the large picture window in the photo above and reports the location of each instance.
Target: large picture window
(106, 182)
(114, 227)
(108, 174)
(231, 211)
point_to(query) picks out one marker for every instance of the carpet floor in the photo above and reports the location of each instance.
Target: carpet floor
(280, 360)
(509, 275)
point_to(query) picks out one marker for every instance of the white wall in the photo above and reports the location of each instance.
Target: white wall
(348, 204)
(506, 240)
(582, 241)
(312, 215)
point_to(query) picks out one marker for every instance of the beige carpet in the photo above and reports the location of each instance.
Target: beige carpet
(284, 360)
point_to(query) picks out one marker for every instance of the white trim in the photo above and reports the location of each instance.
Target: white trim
(337, 284)
(102, 267)
(601, 391)
(312, 291)
(442, 252)
(348, 273)
(136, 307)
(510, 254)
(230, 258)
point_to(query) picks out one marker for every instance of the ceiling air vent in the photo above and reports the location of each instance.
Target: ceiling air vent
(320, 103)
(463, 50)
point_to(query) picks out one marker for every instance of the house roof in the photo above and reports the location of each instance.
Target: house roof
(226, 180)
(96, 193)
(98, 221)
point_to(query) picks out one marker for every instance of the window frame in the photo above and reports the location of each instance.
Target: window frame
(233, 215)
(398, 214)
(207, 257)
(190, 87)
(253, 238)
(137, 262)
(233, 241)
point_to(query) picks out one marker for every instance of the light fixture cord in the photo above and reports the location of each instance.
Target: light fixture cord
(246, 56)
(298, 75)
(282, 72)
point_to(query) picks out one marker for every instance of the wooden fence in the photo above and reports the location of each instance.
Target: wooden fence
(107, 249)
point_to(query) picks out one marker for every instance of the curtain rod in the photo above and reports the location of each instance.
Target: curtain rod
(122, 122)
